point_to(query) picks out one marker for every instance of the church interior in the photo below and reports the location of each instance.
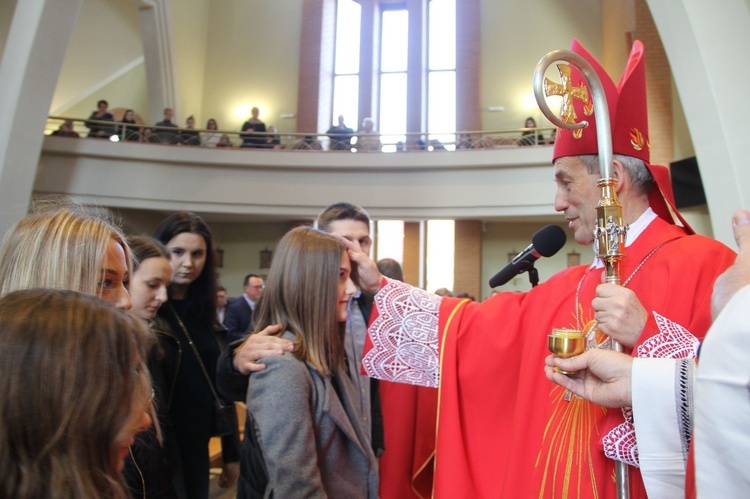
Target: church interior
(212, 59)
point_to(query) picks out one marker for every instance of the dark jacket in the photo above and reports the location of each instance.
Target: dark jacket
(146, 469)
(164, 365)
(237, 319)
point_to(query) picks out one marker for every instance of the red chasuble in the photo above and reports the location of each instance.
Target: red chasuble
(504, 430)
(409, 424)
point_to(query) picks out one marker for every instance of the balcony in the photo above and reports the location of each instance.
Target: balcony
(499, 181)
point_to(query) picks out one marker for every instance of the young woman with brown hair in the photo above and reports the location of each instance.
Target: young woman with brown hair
(305, 436)
(74, 392)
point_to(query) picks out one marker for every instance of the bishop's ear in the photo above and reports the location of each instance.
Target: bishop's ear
(618, 172)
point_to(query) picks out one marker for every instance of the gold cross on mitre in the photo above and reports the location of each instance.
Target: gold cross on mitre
(568, 93)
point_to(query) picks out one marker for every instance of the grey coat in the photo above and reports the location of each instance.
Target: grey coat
(308, 439)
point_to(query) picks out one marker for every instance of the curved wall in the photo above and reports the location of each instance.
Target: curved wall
(512, 184)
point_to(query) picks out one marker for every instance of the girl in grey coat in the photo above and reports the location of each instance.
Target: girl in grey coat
(304, 435)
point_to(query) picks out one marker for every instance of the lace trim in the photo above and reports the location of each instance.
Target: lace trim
(684, 390)
(672, 342)
(405, 336)
(620, 444)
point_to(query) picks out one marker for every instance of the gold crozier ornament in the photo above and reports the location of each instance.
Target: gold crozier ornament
(568, 92)
(610, 230)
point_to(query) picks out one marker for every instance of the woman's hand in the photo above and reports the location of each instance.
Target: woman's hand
(229, 475)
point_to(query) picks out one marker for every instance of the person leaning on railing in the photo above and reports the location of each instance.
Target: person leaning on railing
(368, 139)
(96, 123)
(128, 127)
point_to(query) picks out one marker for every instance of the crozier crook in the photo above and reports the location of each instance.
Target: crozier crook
(610, 230)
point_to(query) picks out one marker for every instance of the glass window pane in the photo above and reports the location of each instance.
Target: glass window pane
(395, 40)
(442, 44)
(391, 240)
(393, 107)
(346, 99)
(440, 254)
(441, 113)
(348, 20)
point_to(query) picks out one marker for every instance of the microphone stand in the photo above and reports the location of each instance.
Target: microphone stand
(533, 276)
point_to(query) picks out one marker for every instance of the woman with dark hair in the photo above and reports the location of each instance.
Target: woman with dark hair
(527, 136)
(74, 392)
(128, 127)
(191, 340)
(306, 436)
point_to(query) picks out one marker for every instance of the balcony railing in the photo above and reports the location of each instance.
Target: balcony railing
(358, 142)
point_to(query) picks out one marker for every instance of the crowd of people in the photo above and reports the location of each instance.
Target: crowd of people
(103, 124)
(254, 134)
(134, 357)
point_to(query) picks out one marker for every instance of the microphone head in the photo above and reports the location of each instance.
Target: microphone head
(549, 240)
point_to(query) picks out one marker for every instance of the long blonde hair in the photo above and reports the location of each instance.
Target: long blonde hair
(73, 388)
(301, 294)
(60, 248)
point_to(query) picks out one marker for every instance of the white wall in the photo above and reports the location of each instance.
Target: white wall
(106, 43)
(515, 35)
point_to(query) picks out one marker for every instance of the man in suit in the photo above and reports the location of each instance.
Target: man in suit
(221, 303)
(238, 316)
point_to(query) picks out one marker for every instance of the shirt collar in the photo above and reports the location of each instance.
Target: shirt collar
(249, 301)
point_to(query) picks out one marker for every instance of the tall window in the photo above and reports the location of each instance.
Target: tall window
(346, 64)
(390, 240)
(441, 80)
(392, 43)
(440, 254)
(437, 241)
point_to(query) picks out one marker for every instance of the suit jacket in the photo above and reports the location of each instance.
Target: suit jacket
(303, 431)
(237, 319)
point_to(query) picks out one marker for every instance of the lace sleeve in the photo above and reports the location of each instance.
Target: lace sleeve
(404, 336)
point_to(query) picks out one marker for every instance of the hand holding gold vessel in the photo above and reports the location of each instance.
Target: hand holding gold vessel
(566, 343)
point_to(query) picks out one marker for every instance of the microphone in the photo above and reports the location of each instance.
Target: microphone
(546, 242)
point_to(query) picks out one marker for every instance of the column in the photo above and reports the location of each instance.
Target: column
(36, 45)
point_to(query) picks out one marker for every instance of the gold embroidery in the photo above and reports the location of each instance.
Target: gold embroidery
(636, 139)
(568, 440)
(588, 109)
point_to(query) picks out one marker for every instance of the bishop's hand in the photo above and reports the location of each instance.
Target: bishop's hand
(365, 273)
(619, 314)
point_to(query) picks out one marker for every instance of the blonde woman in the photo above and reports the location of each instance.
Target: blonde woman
(64, 247)
(74, 392)
(305, 435)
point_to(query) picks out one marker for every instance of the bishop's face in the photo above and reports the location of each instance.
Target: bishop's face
(576, 197)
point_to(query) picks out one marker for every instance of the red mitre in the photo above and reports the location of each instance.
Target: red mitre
(628, 114)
